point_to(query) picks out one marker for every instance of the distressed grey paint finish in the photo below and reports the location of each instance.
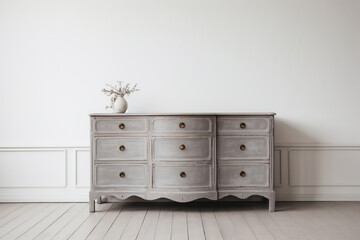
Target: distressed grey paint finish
(168, 148)
(193, 176)
(154, 166)
(230, 125)
(109, 175)
(113, 125)
(255, 175)
(255, 147)
(108, 148)
(190, 125)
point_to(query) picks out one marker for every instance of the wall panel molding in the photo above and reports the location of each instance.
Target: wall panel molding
(319, 173)
(292, 163)
(85, 177)
(41, 174)
(27, 168)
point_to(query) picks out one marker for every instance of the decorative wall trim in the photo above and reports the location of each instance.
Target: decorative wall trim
(277, 168)
(317, 197)
(45, 198)
(68, 192)
(61, 150)
(72, 191)
(323, 148)
(315, 189)
(76, 166)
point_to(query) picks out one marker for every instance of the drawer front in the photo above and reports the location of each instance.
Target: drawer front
(243, 148)
(121, 148)
(182, 148)
(183, 124)
(182, 176)
(242, 125)
(121, 175)
(120, 125)
(243, 175)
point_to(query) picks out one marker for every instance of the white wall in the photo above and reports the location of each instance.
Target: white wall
(300, 59)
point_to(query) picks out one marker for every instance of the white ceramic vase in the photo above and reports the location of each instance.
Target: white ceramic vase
(120, 105)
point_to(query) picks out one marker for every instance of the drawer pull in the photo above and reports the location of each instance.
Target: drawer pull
(181, 125)
(122, 148)
(242, 125)
(182, 147)
(242, 174)
(183, 174)
(242, 147)
(122, 175)
(121, 126)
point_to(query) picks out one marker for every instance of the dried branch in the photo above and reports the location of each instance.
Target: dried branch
(119, 90)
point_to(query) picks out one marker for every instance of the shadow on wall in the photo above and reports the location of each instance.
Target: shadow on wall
(288, 133)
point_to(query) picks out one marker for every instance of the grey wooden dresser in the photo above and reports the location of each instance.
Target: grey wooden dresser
(182, 157)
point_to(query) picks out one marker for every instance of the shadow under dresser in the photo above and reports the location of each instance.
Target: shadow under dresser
(182, 157)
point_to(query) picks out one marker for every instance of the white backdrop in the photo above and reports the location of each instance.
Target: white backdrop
(300, 59)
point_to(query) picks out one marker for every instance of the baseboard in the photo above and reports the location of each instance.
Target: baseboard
(45, 198)
(317, 197)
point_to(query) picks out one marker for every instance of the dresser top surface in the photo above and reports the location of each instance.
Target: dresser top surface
(183, 114)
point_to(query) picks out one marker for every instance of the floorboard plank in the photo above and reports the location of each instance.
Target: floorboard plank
(148, 228)
(211, 228)
(7, 208)
(195, 225)
(73, 224)
(103, 226)
(163, 228)
(179, 225)
(341, 221)
(133, 227)
(16, 213)
(46, 222)
(54, 228)
(34, 218)
(242, 228)
(22, 218)
(89, 224)
(281, 228)
(307, 219)
(228, 230)
(257, 226)
(116, 230)
(347, 214)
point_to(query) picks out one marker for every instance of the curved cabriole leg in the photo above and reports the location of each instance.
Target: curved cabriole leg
(91, 203)
(272, 202)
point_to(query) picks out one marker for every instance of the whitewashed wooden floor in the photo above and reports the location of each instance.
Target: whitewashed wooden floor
(194, 221)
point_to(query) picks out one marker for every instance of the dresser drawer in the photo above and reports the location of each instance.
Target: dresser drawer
(182, 124)
(243, 148)
(243, 175)
(121, 175)
(120, 125)
(182, 148)
(121, 148)
(243, 125)
(182, 176)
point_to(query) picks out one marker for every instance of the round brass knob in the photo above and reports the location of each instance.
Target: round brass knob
(122, 148)
(242, 147)
(121, 126)
(122, 174)
(182, 147)
(242, 125)
(181, 125)
(182, 174)
(242, 174)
